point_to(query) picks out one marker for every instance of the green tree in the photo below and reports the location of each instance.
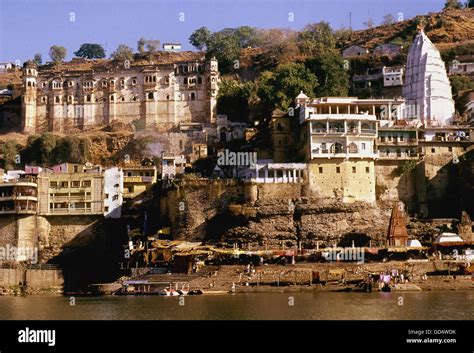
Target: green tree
(388, 19)
(316, 37)
(9, 151)
(452, 4)
(332, 77)
(152, 46)
(200, 38)
(141, 46)
(279, 89)
(233, 99)
(37, 59)
(369, 23)
(90, 51)
(226, 48)
(247, 36)
(57, 53)
(122, 53)
(40, 149)
(71, 149)
(461, 83)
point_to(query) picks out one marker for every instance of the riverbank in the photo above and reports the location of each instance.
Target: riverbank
(300, 277)
(327, 277)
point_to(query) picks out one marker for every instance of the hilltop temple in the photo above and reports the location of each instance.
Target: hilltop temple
(427, 89)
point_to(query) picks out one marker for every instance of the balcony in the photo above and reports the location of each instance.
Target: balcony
(139, 179)
(72, 211)
(368, 132)
(397, 142)
(315, 153)
(398, 156)
(84, 198)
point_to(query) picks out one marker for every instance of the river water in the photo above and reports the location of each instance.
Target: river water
(266, 306)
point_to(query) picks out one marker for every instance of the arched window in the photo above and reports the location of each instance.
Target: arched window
(193, 96)
(199, 80)
(150, 95)
(185, 81)
(352, 148)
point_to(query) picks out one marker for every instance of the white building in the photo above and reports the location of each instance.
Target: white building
(229, 130)
(172, 165)
(340, 134)
(265, 171)
(175, 47)
(113, 192)
(427, 85)
(392, 76)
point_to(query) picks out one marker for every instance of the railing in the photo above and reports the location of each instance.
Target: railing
(72, 210)
(138, 179)
(368, 131)
(398, 156)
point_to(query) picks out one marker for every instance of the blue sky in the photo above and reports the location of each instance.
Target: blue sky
(31, 26)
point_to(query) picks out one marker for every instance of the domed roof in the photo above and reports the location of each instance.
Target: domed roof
(426, 82)
(448, 238)
(302, 96)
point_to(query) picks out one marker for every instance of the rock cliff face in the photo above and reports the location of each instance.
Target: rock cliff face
(307, 221)
(214, 212)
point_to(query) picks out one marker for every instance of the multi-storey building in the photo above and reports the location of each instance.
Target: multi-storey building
(70, 193)
(113, 192)
(392, 76)
(160, 95)
(19, 196)
(397, 142)
(452, 140)
(137, 179)
(172, 165)
(340, 146)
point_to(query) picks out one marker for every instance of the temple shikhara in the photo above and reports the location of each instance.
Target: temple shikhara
(427, 88)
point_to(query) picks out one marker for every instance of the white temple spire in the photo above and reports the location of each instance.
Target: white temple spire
(427, 89)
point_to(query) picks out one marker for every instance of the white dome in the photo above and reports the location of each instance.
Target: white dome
(426, 83)
(414, 243)
(301, 96)
(448, 238)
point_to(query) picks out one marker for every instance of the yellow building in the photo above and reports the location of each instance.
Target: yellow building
(70, 193)
(340, 136)
(137, 179)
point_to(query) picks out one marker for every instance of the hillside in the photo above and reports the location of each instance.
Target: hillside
(445, 29)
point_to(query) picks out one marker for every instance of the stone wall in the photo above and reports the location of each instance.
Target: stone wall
(393, 186)
(35, 279)
(305, 221)
(8, 231)
(59, 232)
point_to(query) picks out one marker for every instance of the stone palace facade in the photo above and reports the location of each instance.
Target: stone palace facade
(159, 95)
